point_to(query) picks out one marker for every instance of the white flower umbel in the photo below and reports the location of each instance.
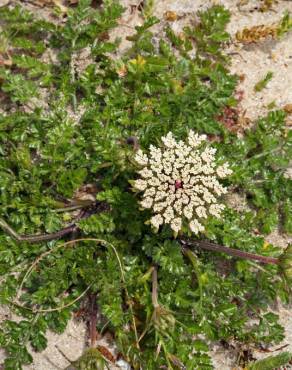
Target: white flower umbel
(180, 183)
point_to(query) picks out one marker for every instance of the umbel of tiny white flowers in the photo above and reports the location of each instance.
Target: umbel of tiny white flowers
(180, 182)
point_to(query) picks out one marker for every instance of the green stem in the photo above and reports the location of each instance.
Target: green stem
(72, 78)
(193, 258)
(73, 207)
(166, 354)
(154, 288)
(263, 154)
(54, 309)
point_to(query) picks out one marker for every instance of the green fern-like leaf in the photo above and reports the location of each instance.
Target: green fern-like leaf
(271, 362)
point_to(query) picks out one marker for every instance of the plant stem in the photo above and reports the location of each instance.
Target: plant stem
(46, 237)
(54, 309)
(193, 259)
(36, 238)
(154, 288)
(230, 251)
(72, 77)
(93, 310)
(74, 207)
(263, 154)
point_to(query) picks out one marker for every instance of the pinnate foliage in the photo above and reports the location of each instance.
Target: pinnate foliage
(51, 154)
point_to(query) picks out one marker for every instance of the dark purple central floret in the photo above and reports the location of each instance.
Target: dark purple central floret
(178, 184)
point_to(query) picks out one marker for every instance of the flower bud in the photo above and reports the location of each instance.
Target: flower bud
(163, 320)
(176, 362)
(91, 359)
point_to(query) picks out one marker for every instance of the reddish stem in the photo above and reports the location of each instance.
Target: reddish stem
(93, 309)
(231, 251)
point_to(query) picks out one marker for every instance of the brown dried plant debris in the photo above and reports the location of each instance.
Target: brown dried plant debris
(257, 33)
(106, 353)
(288, 108)
(262, 32)
(267, 5)
(170, 16)
(229, 118)
(60, 4)
(5, 62)
(234, 118)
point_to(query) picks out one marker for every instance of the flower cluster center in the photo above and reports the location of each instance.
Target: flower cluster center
(178, 184)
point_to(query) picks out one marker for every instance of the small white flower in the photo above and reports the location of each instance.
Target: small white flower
(223, 171)
(179, 181)
(150, 192)
(215, 209)
(141, 158)
(158, 207)
(178, 206)
(201, 212)
(176, 224)
(160, 195)
(195, 140)
(157, 168)
(156, 221)
(207, 169)
(168, 215)
(154, 181)
(208, 197)
(169, 140)
(147, 202)
(155, 153)
(140, 185)
(196, 201)
(188, 212)
(208, 155)
(145, 173)
(196, 227)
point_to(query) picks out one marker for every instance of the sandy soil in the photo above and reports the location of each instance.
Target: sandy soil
(252, 61)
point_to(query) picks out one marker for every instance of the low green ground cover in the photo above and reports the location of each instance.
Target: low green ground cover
(72, 230)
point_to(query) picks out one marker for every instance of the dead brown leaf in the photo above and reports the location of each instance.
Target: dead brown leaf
(86, 192)
(5, 62)
(288, 108)
(170, 16)
(51, 3)
(122, 71)
(106, 353)
(256, 33)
